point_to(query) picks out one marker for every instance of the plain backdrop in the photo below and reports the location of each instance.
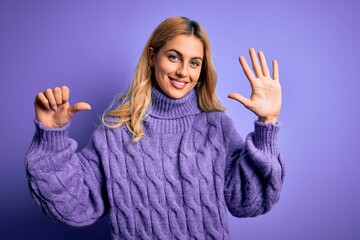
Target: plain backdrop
(93, 47)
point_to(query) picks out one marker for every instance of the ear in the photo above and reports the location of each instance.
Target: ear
(151, 57)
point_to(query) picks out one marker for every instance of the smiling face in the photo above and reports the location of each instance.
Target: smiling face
(177, 65)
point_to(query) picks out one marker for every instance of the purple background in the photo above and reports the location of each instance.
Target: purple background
(93, 47)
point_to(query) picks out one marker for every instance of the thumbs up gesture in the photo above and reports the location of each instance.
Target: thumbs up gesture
(52, 107)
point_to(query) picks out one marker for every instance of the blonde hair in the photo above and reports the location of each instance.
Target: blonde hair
(135, 103)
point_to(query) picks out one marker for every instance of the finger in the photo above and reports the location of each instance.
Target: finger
(58, 95)
(50, 97)
(80, 106)
(41, 100)
(255, 63)
(65, 93)
(243, 100)
(247, 70)
(264, 67)
(275, 70)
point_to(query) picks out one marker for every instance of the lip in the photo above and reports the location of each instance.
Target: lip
(178, 83)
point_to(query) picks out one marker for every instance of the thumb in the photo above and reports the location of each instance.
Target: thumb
(80, 106)
(240, 98)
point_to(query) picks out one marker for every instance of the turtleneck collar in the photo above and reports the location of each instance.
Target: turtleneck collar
(168, 108)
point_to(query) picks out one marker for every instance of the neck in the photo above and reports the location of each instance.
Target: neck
(168, 108)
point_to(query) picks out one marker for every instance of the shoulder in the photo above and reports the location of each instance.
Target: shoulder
(213, 119)
(108, 132)
(217, 128)
(218, 122)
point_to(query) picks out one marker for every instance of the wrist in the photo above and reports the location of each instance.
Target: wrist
(265, 137)
(267, 120)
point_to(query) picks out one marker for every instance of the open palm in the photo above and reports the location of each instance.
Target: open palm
(265, 99)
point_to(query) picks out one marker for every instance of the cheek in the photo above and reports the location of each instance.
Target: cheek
(158, 73)
(164, 67)
(195, 75)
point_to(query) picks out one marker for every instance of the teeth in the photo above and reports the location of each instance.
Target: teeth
(179, 83)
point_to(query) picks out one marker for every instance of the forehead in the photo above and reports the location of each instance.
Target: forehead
(187, 45)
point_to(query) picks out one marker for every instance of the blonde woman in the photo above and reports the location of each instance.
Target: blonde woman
(167, 163)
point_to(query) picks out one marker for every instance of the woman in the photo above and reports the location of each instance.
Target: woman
(167, 163)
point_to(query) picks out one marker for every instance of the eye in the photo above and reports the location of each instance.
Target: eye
(173, 58)
(194, 63)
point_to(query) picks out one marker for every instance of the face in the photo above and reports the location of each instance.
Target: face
(177, 65)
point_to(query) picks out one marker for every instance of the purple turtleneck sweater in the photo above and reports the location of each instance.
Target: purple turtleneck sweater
(177, 182)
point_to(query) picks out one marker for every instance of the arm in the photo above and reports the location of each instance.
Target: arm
(254, 170)
(68, 186)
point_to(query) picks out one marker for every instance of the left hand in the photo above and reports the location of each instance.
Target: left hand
(265, 99)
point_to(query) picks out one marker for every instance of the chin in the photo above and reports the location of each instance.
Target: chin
(176, 96)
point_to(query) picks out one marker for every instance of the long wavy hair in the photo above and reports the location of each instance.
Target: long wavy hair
(136, 102)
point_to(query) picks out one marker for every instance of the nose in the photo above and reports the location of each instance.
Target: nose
(182, 70)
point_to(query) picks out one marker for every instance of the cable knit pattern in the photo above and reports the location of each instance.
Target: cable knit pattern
(177, 182)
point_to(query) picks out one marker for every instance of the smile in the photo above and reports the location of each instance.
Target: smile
(177, 84)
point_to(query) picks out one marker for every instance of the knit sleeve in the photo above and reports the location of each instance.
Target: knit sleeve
(67, 185)
(254, 171)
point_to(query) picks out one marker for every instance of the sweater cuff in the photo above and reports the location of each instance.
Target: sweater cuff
(51, 139)
(265, 137)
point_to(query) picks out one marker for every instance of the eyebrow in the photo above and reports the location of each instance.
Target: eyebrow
(179, 53)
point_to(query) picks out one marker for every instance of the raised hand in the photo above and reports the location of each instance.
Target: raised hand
(52, 107)
(265, 99)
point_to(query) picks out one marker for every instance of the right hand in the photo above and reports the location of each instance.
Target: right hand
(52, 107)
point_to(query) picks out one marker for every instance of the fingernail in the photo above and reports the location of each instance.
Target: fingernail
(54, 108)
